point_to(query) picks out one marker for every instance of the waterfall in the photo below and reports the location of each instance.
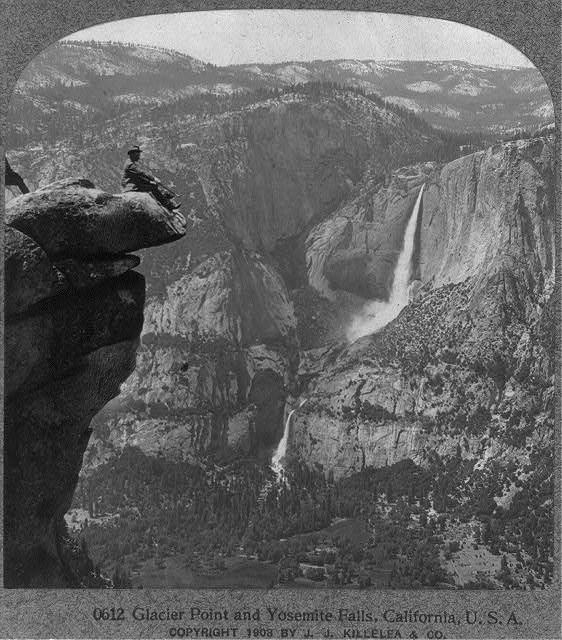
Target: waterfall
(281, 450)
(375, 315)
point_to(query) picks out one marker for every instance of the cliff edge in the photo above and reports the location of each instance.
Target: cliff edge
(73, 316)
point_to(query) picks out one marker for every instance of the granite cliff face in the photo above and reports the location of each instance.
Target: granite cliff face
(478, 212)
(356, 248)
(220, 340)
(74, 313)
(214, 366)
(489, 211)
(460, 361)
(221, 351)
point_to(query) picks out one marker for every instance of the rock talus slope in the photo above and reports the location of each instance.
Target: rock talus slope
(74, 313)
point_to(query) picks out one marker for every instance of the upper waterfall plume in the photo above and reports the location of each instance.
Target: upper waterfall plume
(375, 315)
(282, 446)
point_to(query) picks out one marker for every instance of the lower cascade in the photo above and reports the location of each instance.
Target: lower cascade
(375, 315)
(280, 452)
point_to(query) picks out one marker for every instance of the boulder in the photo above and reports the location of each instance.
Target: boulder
(71, 218)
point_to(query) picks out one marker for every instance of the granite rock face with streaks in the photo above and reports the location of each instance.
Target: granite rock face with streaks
(460, 353)
(355, 249)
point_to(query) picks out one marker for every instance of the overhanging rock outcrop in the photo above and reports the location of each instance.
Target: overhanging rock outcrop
(74, 313)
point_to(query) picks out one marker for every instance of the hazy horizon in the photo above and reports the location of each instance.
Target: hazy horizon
(291, 61)
(246, 37)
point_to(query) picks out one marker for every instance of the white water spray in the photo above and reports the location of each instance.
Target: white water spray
(281, 450)
(375, 315)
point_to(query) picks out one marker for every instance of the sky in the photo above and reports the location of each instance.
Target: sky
(266, 36)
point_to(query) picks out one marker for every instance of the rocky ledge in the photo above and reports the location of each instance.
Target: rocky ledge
(74, 313)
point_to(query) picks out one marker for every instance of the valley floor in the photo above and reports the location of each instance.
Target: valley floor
(378, 529)
(172, 573)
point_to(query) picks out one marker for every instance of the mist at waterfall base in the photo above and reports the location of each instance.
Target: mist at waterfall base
(375, 315)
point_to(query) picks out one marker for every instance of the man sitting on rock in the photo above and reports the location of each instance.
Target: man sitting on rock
(134, 179)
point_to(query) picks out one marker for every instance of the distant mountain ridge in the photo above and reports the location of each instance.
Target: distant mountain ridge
(449, 94)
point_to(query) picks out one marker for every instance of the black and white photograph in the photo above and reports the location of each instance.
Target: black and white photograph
(280, 308)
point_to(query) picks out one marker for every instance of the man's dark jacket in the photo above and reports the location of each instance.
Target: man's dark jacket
(134, 179)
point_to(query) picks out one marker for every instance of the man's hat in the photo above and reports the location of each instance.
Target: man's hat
(135, 148)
